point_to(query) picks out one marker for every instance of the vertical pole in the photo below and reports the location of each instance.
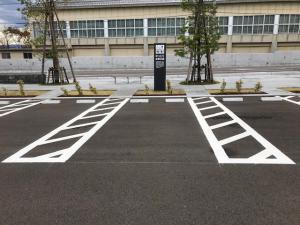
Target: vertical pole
(44, 42)
(64, 41)
(53, 35)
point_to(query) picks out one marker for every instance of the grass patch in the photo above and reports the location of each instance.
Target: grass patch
(292, 89)
(159, 93)
(244, 91)
(88, 93)
(16, 93)
(199, 83)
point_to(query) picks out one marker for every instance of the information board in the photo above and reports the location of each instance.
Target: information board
(160, 66)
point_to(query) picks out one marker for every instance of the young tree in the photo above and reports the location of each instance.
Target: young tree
(43, 14)
(202, 39)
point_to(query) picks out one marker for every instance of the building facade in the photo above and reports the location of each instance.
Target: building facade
(131, 27)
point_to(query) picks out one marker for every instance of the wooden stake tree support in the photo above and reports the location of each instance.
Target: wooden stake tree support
(56, 73)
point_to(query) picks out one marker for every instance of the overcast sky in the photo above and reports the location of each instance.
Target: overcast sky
(9, 14)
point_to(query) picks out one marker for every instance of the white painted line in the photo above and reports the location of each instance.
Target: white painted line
(220, 125)
(62, 155)
(271, 99)
(4, 102)
(81, 125)
(210, 107)
(234, 138)
(139, 101)
(195, 99)
(86, 101)
(114, 103)
(214, 115)
(94, 116)
(174, 100)
(63, 138)
(218, 148)
(233, 99)
(50, 102)
(18, 106)
(103, 109)
(201, 103)
(289, 99)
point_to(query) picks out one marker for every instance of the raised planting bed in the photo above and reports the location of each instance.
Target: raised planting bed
(295, 90)
(87, 93)
(16, 93)
(244, 91)
(175, 92)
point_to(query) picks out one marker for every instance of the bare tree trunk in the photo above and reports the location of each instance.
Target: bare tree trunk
(53, 34)
(188, 78)
(209, 66)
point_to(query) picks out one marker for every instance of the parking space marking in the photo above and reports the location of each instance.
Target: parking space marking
(271, 99)
(270, 154)
(4, 102)
(62, 155)
(8, 109)
(86, 101)
(290, 99)
(174, 100)
(139, 101)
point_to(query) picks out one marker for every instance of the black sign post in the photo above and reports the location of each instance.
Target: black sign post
(160, 67)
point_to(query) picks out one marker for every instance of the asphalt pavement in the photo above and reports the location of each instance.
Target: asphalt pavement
(149, 164)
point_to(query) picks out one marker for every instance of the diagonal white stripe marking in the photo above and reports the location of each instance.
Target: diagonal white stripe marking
(207, 108)
(103, 109)
(63, 138)
(67, 153)
(94, 116)
(234, 138)
(214, 115)
(18, 106)
(195, 99)
(219, 151)
(220, 125)
(81, 125)
(201, 103)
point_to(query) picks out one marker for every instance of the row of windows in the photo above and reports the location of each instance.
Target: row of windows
(126, 28)
(7, 55)
(87, 28)
(253, 24)
(263, 24)
(165, 26)
(289, 24)
(260, 24)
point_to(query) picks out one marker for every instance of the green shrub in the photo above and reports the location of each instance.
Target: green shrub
(21, 87)
(93, 89)
(258, 87)
(147, 89)
(169, 87)
(223, 86)
(79, 89)
(65, 91)
(4, 91)
(239, 85)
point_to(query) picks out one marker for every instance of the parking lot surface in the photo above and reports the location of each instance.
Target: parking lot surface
(201, 161)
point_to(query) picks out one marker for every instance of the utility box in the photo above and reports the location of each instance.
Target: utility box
(160, 50)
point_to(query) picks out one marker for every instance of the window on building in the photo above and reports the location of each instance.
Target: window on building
(263, 24)
(27, 55)
(87, 29)
(126, 28)
(223, 25)
(165, 26)
(289, 24)
(63, 26)
(6, 55)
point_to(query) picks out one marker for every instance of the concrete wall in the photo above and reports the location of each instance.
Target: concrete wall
(220, 60)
